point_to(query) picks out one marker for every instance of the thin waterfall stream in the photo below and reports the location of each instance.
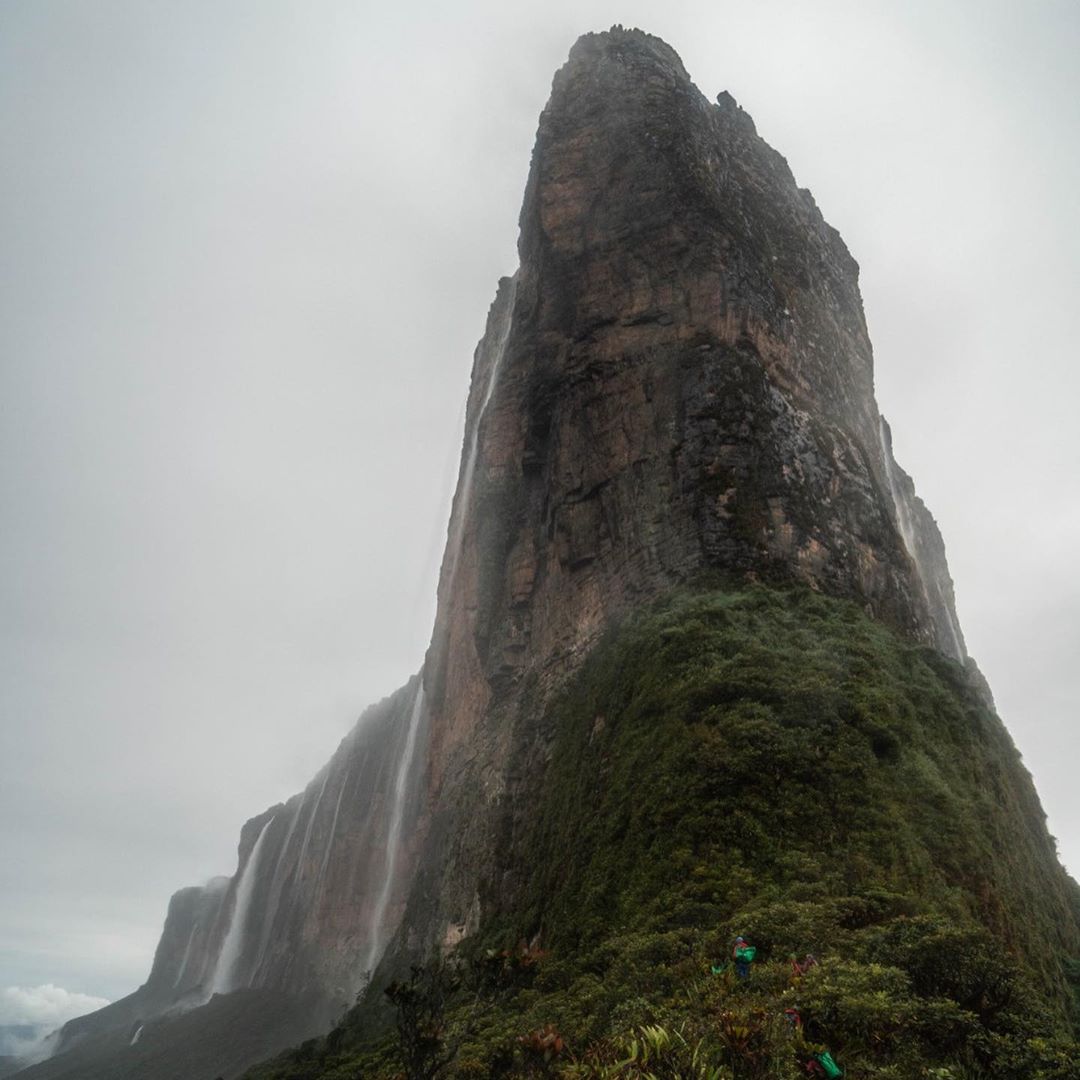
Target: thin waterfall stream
(276, 885)
(461, 507)
(182, 971)
(377, 935)
(225, 972)
(907, 534)
(333, 831)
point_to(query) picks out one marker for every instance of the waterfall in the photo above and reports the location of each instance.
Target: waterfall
(304, 845)
(954, 631)
(225, 971)
(907, 533)
(135, 1037)
(900, 506)
(376, 942)
(276, 886)
(461, 508)
(277, 882)
(204, 962)
(333, 830)
(311, 821)
(187, 956)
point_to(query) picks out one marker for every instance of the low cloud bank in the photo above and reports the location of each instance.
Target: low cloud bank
(41, 1005)
(29, 1014)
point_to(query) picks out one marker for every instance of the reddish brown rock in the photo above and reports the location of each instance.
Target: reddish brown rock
(677, 382)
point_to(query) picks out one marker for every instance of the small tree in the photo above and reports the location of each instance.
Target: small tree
(420, 1003)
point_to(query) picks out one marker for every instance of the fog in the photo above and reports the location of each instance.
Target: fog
(247, 250)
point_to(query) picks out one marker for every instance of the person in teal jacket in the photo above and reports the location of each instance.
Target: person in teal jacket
(743, 956)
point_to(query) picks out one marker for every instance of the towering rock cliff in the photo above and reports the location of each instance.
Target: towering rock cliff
(677, 382)
(673, 391)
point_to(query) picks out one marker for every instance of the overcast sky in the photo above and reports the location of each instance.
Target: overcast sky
(246, 250)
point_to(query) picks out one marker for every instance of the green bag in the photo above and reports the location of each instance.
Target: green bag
(832, 1070)
(746, 954)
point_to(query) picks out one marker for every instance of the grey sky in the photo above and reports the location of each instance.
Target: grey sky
(246, 250)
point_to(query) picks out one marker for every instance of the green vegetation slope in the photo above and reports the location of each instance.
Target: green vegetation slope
(773, 764)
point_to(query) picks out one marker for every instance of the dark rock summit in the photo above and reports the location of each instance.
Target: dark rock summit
(674, 390)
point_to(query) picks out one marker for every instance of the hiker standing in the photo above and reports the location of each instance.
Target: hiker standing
(743, 956)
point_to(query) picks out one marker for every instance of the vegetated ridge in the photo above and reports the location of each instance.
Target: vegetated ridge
(775, 764)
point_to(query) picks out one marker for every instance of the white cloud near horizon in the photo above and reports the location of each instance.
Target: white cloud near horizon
(45, 1006)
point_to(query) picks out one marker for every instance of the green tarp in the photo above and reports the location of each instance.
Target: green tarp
(832, 1070)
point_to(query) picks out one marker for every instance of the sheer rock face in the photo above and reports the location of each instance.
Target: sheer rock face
(684, 384)
(312, 913)
(676, 382)
(189, 942)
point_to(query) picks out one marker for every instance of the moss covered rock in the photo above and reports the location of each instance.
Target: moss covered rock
(775, 764)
